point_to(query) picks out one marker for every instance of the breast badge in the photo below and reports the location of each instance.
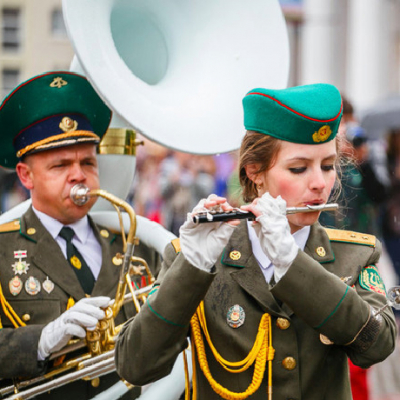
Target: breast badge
(20, 267)
(236, 316)
(48, 285)
(32, 286)
(15, 285)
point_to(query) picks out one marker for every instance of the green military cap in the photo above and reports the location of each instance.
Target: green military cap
(51, 110)
(308, 114)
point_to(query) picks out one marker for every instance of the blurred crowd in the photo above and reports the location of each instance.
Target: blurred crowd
(169, 183)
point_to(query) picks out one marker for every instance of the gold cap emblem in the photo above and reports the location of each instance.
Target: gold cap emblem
(235, 255)
(323, 134)
(67, 124)
(58, 82)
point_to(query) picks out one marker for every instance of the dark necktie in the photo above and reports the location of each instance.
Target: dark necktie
(77, 262)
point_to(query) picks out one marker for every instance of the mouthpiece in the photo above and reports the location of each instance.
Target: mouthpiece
(79, 194)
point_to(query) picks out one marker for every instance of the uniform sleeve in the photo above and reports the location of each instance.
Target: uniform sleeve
(18, 352)
(343, 314)
(149, 344)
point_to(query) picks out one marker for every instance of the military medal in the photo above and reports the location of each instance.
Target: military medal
(15, 285)
(32, 286)
(20, 267)
(48, 285)
(235, 316)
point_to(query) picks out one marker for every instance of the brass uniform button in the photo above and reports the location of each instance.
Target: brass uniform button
(282, 323)
(320, 251)
(95, 382)
(289, 363)
(26, 317)
(104, 233)
(31, 231)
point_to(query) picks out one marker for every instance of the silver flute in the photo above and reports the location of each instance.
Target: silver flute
(237, 213)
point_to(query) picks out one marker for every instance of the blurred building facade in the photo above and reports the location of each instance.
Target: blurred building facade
(33, 40)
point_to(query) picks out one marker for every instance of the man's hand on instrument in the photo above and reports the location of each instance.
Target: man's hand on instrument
(201, 244)
(273, 231)
(83, 315)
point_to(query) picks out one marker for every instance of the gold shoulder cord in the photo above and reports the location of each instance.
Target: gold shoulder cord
(261, 352)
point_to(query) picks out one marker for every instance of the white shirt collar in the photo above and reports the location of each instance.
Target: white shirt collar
(300, 237)
(81, 227)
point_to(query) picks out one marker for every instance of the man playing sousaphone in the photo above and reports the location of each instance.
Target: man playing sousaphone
(58, 269)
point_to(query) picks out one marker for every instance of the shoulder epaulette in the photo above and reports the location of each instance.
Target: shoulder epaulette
(177, 245)
(338, 235)
(10, 226)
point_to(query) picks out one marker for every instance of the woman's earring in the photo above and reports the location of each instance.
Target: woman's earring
(259, 186)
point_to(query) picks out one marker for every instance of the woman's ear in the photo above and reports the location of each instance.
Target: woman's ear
(252, 171)
(25, 175)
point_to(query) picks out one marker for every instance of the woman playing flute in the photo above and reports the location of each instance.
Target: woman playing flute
(279, 304)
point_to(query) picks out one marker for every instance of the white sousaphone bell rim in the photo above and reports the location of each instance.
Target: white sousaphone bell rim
(213, 62)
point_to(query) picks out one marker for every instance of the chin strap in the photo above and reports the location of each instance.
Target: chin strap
(261, 352)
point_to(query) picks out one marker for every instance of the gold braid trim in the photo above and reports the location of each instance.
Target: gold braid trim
(261, 352)
(54, 138)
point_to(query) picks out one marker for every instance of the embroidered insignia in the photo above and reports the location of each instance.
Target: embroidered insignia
(67, 124)
(320, 251)
(58, 82)
(48, 285)
(323, 134)
(15, 285)
(32, 286)
(75, 262)
(20, 267)
(371, 280)
(235, 316)
(235, 255)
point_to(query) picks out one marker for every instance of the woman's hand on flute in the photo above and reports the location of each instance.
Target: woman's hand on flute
(273, 231)
(201, 244)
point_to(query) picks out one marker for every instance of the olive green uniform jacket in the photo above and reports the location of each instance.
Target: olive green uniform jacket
(18, 347)
(311, 299)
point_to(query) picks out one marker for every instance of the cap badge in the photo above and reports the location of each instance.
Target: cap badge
(235, 316)
(32, 286)
(67, 124)
(58, 82)
(48, 285)
(20, 267)
(323, 134)
(15, 285)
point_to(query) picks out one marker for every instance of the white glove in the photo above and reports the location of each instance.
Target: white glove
(84, 314)
(201, 244)
(273, 231)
